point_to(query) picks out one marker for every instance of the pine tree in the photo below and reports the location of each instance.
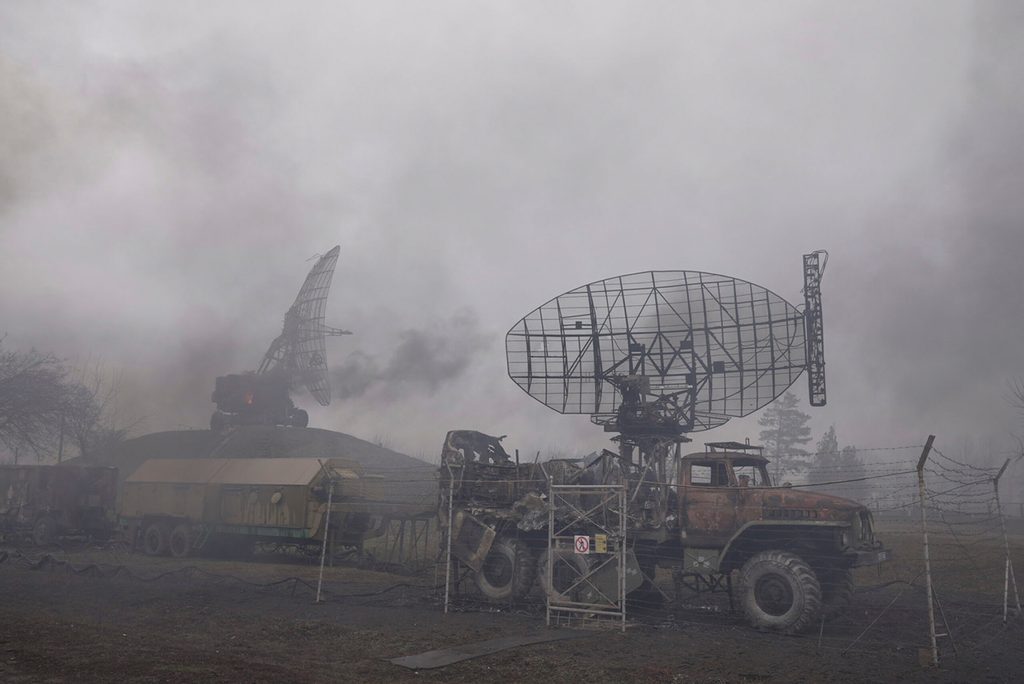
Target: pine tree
(785, 432)
(826, 457)
(832, 464)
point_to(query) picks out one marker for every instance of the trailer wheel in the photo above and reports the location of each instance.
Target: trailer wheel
(180, 541)
(44, 531)
(779, 592)
(507, 572)
(154, 539)
(568, 567)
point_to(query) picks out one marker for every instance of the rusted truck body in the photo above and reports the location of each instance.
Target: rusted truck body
(50, 501)
(710, 515)
(180, 507)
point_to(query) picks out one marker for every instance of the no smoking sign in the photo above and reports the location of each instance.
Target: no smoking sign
(582, 543)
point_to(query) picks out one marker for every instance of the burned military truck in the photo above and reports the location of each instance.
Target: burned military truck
(47, 502)
(712, 516)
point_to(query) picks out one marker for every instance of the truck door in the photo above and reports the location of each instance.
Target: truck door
(709, 502)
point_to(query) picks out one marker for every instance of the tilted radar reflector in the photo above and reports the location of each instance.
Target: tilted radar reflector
(300, 350)
(657, 354)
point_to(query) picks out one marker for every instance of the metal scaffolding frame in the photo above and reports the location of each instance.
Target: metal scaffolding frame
(596, 513)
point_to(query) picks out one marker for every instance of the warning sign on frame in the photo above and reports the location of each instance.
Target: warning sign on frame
(582, 543)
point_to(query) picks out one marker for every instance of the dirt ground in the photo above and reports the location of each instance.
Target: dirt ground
(123, 617)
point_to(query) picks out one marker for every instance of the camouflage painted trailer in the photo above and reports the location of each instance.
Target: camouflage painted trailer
(183, 506)
(50, 501)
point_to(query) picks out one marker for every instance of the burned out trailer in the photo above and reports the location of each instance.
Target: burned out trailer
(50, 501)
(180, 507)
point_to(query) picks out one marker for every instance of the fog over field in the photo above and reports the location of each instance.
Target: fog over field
(167, 170)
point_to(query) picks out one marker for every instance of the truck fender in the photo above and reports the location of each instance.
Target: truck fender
(732, 551)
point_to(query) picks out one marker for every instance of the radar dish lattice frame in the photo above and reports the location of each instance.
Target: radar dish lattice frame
(301, 350)
(659, 352)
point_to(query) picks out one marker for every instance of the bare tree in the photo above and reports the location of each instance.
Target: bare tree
(93, 422)
(42, 406)
(1016, 394)
(33, 400)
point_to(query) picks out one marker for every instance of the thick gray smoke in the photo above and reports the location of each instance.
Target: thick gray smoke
(424, 361)
(164, 176)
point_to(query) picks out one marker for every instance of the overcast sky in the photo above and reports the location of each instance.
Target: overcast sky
(168, 169)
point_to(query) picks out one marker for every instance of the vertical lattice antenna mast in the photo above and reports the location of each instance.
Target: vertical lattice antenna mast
(814, 327)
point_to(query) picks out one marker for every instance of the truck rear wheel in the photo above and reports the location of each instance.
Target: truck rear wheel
(180, 541)
(155, 538)
(568, 567)
(779, 592)
(508, 571)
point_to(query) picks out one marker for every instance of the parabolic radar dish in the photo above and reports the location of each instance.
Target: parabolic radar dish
(695, 348)
(300, 350)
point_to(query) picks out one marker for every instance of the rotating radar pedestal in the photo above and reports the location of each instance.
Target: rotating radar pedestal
(653, 356)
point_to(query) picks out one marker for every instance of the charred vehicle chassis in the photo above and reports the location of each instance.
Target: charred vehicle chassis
(713, 516)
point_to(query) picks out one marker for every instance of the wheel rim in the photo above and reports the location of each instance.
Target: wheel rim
(773, 594)
(497, 570)
(179, 544)
(43, 532)
(152, 541)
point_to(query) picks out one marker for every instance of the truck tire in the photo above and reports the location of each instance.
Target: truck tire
(569, 566)
(780, 592)
(647, 594)
(180, 541)
(44, 532)
(836, 591)
(300, 418)
(155, 538)
(507, 572)
(218, 421)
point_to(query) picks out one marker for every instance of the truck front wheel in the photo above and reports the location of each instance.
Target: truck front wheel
(508, 571)
(779, 592)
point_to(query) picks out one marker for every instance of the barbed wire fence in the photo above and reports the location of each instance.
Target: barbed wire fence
(975, 542)
(958, 599)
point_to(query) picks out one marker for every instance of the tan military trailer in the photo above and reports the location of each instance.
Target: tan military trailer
(712, 516)
(184, 506)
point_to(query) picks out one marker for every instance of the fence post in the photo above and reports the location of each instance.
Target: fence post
(924, 535)
(1008, 571)
(448, 556)
(323, 550)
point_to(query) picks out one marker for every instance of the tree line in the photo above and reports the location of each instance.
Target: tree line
(51, 411)
(785, 433)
